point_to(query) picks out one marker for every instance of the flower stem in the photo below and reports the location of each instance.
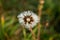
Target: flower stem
(24, 33)
(33, 35)
(40, 6)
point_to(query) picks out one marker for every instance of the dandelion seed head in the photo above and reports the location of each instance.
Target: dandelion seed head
(28, 18)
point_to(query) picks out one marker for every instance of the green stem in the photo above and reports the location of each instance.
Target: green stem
(24, 33)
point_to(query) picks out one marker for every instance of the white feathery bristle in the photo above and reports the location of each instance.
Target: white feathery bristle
(28, 13)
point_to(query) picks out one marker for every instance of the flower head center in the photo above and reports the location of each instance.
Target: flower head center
(28, 19)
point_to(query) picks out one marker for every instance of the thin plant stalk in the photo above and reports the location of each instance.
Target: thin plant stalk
(24, 33)
(40, 6)
(33, 35)
(2, 28)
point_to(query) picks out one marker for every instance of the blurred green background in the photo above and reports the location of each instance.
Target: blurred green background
(10, 28)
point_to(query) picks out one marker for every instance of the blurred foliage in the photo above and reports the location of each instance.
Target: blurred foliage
(10, 29)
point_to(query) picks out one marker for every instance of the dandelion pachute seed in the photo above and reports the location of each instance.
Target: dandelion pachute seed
(28, 18)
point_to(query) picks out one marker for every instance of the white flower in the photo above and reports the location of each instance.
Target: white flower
(28, 18)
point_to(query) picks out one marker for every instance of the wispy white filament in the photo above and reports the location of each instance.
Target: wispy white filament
(28, 13)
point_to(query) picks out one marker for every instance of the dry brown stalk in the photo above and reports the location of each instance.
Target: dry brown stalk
(40, 6)
(33, 35)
